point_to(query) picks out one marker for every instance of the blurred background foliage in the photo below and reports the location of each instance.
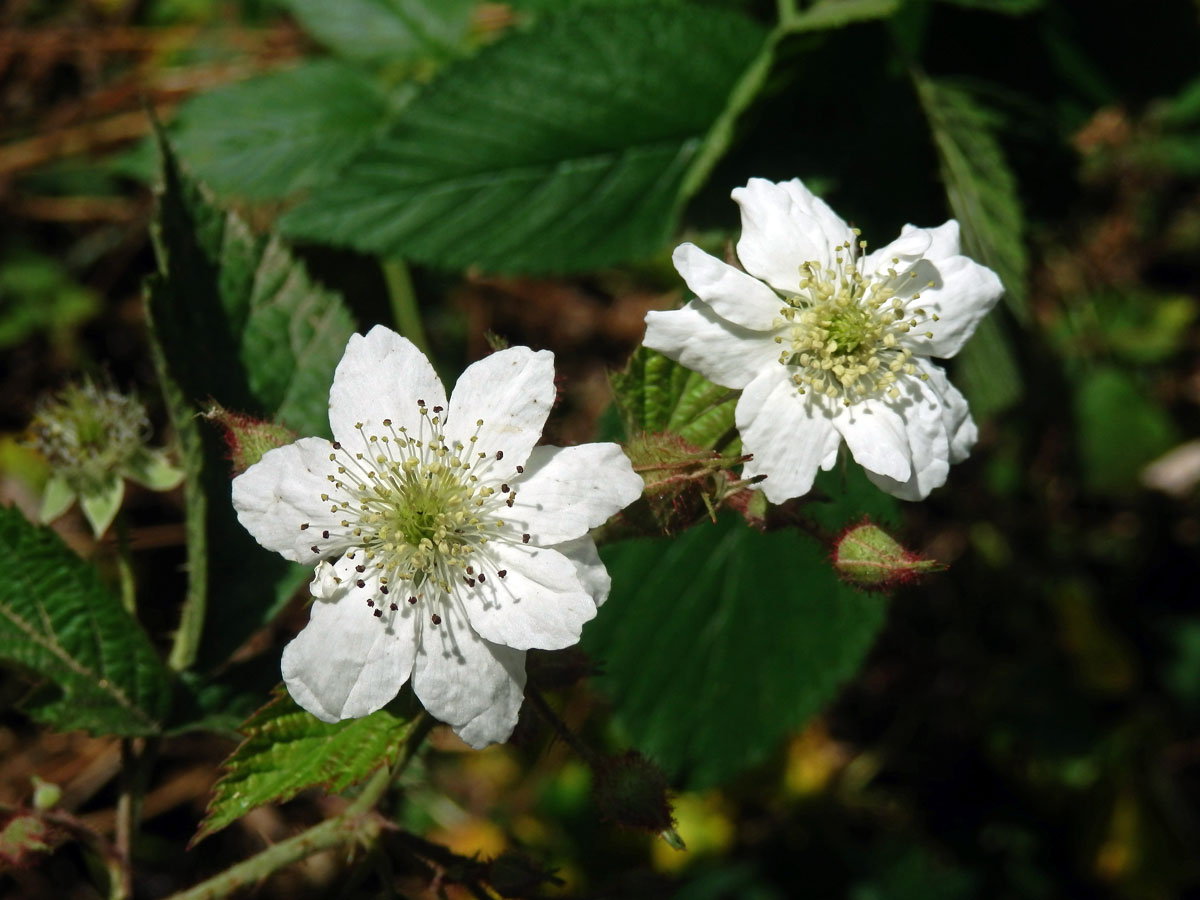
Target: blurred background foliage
(1024, 725)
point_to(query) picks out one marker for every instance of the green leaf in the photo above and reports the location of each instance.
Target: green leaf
(827, 14)
(287, 750)
(1120, 430)
(980, 186)
(559, 148)
(655, 394)
(717, 644)
(59, 621)
(986, 370)
(1004, 7)
(387, 31)
(271, 136)
(235, 319)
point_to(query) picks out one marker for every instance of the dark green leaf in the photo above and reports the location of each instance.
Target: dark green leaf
(718, 643)
(655, 394)
(288, 750)
(560, 148)
(827, 14)
(979, 185)
(1120, 430)
(987, 372)
(387, 31)
(59, 621)
(1005, 7)
(235, 319)
(271, 136)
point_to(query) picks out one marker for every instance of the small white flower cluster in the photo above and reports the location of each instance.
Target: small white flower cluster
(829, 343)
(446, 543)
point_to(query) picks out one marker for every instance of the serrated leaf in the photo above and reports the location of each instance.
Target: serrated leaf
(827, 14)
(287, 750)
(718, 643)
(60, 622)
(271, 136)
(234, 319)
(655, 394)
(559, 148)
(387, 31)
(980, 186)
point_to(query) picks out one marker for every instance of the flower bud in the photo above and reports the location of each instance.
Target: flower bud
(45, 794)
(867, 556)
(93, 437)
(632, 791)
(248, 438)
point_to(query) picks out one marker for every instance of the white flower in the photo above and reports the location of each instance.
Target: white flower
(828, 344)
(457, 544)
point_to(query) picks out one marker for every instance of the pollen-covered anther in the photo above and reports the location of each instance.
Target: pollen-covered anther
(841, 331)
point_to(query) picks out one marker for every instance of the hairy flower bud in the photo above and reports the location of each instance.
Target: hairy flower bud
(248, 438)
(867, 556)
(632, 791)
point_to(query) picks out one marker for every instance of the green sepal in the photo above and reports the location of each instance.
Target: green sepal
(152, 469)
(100, 506)
(56, 499)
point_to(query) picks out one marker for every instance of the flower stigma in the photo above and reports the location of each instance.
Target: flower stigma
(841, 330)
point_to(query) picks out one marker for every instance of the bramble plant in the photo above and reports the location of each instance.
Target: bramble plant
(381, 569)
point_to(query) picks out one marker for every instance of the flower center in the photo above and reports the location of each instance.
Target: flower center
(841, 332)
(415, 507)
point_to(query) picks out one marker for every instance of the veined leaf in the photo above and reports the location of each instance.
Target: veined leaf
(980, 186)
(387, 31)
(287, 750)
(559, 148)
(655, 393)
(271, 136)
(234, 319)
(59, 621)
(716, 644)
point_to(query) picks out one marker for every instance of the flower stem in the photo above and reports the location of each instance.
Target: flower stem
(586, 753)
(403, 299)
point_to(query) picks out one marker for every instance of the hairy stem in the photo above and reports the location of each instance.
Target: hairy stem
(405, 312)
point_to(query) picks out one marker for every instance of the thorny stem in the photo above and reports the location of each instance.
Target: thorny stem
(586, 753)
(355, 825)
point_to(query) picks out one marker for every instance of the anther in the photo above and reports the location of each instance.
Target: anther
(383, 589)
(412, 600)
(360, 568)
(336, 445)
(393, 607)
(524, 540)
(304, 527)
(361, 583)
(387, 423)
(437, 409)
(481, 578)
(436, 619)
(325, 534)
(370, 603)
(502, 572)
(504, 488)
(378, 613)
(520, 469)
(314, 549)
(499, 454)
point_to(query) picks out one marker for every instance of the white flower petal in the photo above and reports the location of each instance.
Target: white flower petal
(474, 686)
(512, 391)
(925, 442)
(790, 435)
(877, 436)
(567, 490)
(281, 492)
(783, 227)
(900, 254)
(944, 240)
(699, 339)
(730, 293)
(956, 416)
(347, 662)
(381, 376)
(538, 603)
(963, 292)
(588, 566)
